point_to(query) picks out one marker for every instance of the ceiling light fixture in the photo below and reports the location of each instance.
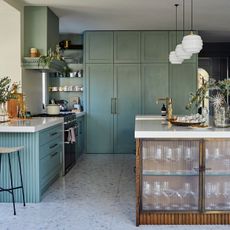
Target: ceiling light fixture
(192, 43)
(180, 52)
(173, 58)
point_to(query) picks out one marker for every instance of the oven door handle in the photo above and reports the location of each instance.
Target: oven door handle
(67, 130)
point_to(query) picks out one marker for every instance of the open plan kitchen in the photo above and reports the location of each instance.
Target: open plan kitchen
(114, 114)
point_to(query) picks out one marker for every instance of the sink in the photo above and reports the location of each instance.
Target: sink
(150, 117)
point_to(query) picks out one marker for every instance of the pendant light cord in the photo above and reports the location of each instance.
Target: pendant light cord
(183, 18)
(192, 15)
(176, 5)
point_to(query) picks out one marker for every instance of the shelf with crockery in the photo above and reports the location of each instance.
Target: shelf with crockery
(73, 88)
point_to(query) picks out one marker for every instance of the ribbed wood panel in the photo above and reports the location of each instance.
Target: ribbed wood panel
(30, 166)
(185, 218)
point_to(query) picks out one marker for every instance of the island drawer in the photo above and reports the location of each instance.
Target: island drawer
(49, 147)
(50, 134)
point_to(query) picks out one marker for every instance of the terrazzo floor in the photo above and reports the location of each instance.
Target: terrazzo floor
(97, 194)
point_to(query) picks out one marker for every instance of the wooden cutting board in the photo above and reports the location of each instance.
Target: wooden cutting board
(14, 105)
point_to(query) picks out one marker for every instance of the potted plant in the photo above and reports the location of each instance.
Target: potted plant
(53, 57)
(7, 91)
(218, 100)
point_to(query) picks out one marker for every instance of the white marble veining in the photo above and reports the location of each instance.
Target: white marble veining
(29, 125)
(150, 127)
(97, 194)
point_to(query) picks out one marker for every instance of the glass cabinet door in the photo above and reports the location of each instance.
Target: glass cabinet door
(217, 172)
(170, 175)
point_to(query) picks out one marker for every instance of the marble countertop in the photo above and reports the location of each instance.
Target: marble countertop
(147, 126)
(80, 114)
(29, 125)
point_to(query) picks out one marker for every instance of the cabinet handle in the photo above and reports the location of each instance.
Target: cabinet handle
(52, 134)
(115, 105)
(52, 146)
(112, 106)
(54, 154)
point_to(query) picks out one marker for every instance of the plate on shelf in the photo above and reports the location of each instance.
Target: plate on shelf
(180, 123)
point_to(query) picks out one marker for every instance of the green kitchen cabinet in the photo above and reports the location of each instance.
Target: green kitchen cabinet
(127, 94)
(172, 44)
(154, 79)
(183, 81)
(154, 46)
(99, 111)
(99, 47)
(126, 47)
(41, 29)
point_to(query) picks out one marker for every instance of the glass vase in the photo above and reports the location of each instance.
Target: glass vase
(222, 117)
(3, 112)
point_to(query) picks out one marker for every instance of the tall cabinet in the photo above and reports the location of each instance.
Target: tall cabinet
(126, 72)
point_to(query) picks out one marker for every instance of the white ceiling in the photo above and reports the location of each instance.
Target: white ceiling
(211, 17)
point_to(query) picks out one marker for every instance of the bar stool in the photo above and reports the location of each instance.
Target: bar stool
(8, 151)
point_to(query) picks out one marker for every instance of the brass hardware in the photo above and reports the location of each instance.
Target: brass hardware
(169, 108)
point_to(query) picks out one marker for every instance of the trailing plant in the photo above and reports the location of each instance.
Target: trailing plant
(7, 89)
(51, 57)
(222, 88)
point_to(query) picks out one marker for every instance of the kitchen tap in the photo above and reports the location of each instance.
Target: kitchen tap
(168, 101)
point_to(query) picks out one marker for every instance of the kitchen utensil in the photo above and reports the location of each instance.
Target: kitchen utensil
(53, 109)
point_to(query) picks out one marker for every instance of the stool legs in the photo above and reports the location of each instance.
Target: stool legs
(20, 169)
(11, 182)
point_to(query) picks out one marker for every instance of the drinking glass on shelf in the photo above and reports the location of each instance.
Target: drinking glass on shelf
(188, 154)
(156, 195)
(146, 189)
(189, 197)
(144, 153)
(206, 154)
(158, 154)
(226, 194)
(216, 154)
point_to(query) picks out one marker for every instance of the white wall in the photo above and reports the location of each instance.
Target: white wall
(11, 48)
(10, 42)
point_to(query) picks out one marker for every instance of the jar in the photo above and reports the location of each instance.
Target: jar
(33, 52)
(222, 117)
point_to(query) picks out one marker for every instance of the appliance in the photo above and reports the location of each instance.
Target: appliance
(70, 137)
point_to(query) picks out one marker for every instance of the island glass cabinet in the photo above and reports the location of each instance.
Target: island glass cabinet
(183, 181)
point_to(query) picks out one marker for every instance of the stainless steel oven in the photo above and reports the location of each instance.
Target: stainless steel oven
(70, 141)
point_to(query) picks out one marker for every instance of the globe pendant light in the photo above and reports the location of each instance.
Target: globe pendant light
(173, 58)
(180, 52)
(192, 43)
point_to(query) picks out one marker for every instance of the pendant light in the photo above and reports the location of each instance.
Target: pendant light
(192, 43)
(180, 52)
(173, 58)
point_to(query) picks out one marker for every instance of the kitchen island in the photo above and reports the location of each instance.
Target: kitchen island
(182, 173)
(41, 158)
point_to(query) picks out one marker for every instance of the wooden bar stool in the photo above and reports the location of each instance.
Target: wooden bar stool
(8, 151)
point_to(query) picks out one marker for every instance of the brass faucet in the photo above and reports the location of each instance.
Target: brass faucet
(169, 109)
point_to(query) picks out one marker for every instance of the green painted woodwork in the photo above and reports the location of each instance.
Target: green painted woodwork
(154, 46)
(80, 136)
(99, 116)
(99, 47)
(127, 94)
(41, 163)
(154, 79)
(41, 29)
(126, 47)
(173, 43)
(182, 82)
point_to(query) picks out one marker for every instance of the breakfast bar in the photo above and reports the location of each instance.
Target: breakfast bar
(41, 158)
(182, 173)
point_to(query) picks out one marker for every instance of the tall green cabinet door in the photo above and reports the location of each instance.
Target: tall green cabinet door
(99, 116)
(183, 81)
(127, 91)
(179, 37)
(99, 47)
(126, 47)
(154, 82)
(154, 46)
